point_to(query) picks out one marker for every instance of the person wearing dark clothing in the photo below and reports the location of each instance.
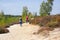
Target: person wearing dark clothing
(20, 21)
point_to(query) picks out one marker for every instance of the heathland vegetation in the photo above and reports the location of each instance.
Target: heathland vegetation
(43, 20)
(6, 21)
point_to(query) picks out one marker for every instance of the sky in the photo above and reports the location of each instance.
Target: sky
(15, 7)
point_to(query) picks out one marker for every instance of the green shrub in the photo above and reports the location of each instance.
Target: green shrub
(7, 20)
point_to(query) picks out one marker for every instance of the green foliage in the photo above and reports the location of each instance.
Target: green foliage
(30, 15)
(7, 20)
(24, 13)
(50, 1)
(46, 8)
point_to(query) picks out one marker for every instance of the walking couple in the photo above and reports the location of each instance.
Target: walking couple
(20, 21)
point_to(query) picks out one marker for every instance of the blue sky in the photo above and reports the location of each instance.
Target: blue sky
(15, 7)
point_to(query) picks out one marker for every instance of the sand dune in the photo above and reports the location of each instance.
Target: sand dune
(26, 33)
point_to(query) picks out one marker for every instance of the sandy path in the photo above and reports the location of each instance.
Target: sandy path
(20, 33)
(25, 33)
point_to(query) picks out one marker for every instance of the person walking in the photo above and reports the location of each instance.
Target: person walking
(26, 19)
(20, 21)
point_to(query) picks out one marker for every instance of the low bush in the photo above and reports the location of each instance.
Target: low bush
(46, 23)
(52, 24)
(53, 21)
(3, 30)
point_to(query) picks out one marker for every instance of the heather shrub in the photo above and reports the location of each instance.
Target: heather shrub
(52, 24)
(3, 30)
(47, 21)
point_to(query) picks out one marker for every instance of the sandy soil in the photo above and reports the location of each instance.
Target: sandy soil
(26, 33)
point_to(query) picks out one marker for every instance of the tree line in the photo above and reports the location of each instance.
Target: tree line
(45, 10)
